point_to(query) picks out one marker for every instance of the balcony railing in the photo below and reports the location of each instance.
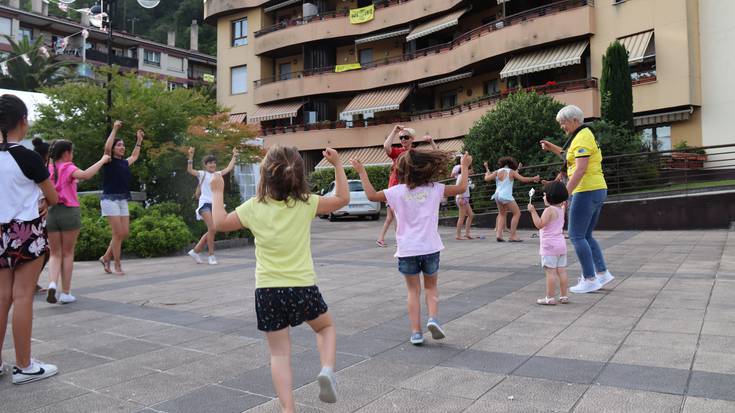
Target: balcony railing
(483, 30)
(549, 88)
(116, 60)
(325, 15)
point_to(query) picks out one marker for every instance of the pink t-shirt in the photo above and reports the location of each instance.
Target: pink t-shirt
(417, 217)
(65, 184)
(552, 238)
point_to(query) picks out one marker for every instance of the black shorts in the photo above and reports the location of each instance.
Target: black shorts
(278, 308)
(22, 242)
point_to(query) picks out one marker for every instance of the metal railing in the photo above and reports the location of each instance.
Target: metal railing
(642, 175)
(548, 88)
(483, 30)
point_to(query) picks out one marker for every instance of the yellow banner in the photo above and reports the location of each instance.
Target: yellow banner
(208, 78)
(349, 66)
(362, 15)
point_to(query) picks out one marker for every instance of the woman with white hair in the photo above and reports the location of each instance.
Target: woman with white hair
(587, 186)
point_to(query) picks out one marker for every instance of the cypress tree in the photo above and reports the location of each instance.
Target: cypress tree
(616, 88)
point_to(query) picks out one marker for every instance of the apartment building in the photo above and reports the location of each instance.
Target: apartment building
(178, 66)
(340, 73)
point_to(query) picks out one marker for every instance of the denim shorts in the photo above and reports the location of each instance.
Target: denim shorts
(205, 208)
(427, 264)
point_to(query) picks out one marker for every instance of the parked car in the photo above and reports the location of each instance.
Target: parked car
(359, 205)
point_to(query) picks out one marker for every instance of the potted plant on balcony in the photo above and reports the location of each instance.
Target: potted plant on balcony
(686, 157)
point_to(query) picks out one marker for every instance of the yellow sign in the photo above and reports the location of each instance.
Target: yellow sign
(349, 66)
(208, 78)
(362, 15)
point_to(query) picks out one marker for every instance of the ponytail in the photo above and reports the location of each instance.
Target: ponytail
(58, 148)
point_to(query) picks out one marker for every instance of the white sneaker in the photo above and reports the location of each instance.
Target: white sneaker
(36, 371)
(586, 286)
(195, 256)
(605, 278)
(67, 298)
(327, 386)
(212, 260)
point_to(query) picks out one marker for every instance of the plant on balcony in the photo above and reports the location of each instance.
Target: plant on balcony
(684, 156)
(41, 71)
(616, 88)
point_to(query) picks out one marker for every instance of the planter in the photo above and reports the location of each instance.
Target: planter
(687, 160)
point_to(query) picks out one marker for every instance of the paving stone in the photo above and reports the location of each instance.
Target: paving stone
(69, 361)
(523, 394)
(566, 370)
(125, 348)
(453, 382)
(662, 339)
(90, 402)
(578, 350)
(352, 395)
(36, 395)
(510, 344)
(217, 343)
(167, 358)
(404, 400)
(700, 405)
(176, 335)
(151, 389)
(501, 363)
(377, 370)
(430, 353)
(719, 344)
(712, 385)
(212, 399)
(669, 325)
(611, 399)
(274, 407)
(715, 362)
(108, 374)
(656, 379)
(655, 356)
(595, 335)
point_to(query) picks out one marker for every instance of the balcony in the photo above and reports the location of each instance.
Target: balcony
(334, 24)
(443, 124)
(214, 8)
(129, 62)
(564, 20)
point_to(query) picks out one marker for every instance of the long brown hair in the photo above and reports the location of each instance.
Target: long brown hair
(420, 167)
(283, 176)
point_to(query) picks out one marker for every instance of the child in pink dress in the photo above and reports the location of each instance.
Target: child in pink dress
(553, 248)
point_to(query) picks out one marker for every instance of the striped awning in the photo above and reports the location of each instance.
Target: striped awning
(375, 155)
(663, 117)
(238, 117)
(276, 111)
(381, 100)
(536, 61)
(639, 46)
(280, 5)
(445, 80)
(441, 23)
(382, 36)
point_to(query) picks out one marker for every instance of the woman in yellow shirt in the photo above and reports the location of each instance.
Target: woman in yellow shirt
(587, 186)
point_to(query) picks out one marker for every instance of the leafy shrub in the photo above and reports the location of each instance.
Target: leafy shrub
(164, 208)
(93, 238)
(379, 176)
(136, 210)
(90, 205)
(155, 235)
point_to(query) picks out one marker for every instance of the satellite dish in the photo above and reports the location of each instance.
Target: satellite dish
(148, 4)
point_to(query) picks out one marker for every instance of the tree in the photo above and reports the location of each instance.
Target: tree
(514, 128)
(616, 88)
(40, 71)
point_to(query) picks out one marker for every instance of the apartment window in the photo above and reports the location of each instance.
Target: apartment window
(26, 33)
(6, 26)
(284, 70)
(240, 32)
(366, 56)
(658, 137)
(174, 85)
(175, 63)
(492, 87)
(152, 58)
(239, 80)
(449, 99)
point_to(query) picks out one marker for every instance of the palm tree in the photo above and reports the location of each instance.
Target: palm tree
(41, 72)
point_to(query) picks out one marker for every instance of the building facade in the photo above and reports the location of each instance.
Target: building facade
(63, 37)
(340, 73)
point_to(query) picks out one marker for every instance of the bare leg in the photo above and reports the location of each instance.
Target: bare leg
(68, 242)
(388, 220)
(326, 339)
(55, 243)
(550, 282)
(202, 241)
(460, 218)
(211, 231)
(500, 221)
(468, 222)
(25, 278)
(114, 250)
(279, 344)
(6, 300)
(432, 294)
(563, 281)
(413, 284)
(514, 221)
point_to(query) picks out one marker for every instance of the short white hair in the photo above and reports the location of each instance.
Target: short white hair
(570, 113)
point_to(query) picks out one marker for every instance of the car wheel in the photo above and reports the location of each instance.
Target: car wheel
(332, 218)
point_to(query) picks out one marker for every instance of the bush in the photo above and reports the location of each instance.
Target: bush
(136, 210)
(379, 176)
(155, 235)
(90, 205)
(616, 88)
(93, 238)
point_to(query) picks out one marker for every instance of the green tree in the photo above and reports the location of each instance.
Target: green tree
(616, 88)
(514, 128)
(42, 71)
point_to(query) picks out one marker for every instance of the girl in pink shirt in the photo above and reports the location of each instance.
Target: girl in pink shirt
(415, 202)
(553, 248)
(64, 219)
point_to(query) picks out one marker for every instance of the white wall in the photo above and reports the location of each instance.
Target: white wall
(717, 37)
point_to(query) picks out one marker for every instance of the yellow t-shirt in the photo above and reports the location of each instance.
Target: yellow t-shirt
(282, 233)
(584, 145)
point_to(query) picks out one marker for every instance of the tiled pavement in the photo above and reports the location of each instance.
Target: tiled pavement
(172, 336)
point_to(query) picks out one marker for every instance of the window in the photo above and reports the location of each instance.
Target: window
(26, 33)
(492, 87)
(366, 57)
(152, 58)
(658, 137)
(240, 32)
(6, 26)
(356, 187)
(174, 85)
(175, 63)
(449, 99)
(239, 80)
(284, 70)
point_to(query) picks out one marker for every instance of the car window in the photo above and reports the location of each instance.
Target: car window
(356, 187)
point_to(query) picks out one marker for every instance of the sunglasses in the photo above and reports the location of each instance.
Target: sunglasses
(404, 137)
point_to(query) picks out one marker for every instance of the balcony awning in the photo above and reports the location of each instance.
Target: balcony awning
(382, 36)
(276, 111)
(445, 80)
(280, 5)
(664, 117)
(374, 101)
(444, 22)
(238, 117)
(375, 155)
(639, 46)
(558, 56)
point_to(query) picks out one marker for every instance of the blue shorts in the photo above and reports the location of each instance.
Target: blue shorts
(205, 208)
(427, 264)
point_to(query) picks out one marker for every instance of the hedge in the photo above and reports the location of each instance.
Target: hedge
(379, 176)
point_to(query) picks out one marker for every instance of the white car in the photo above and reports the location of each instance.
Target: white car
(359, 206)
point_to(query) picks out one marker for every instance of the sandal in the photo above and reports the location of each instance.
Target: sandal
(564, 299)
(105, 265)
(381, 244)
(546, 301)
(499, 240)
(515, 240)
(469, 237)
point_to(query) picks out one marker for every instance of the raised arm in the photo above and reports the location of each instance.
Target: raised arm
(489, 176)
(370, 192)
(110, 139)
(190, 163)
(341, 195)
(430, 139)
(452, 190)
(387, 145)
(139, 135)
(90, 172)
(223, 221)
(550, 147)
(547, 216)
(525, 180)
(231, 165)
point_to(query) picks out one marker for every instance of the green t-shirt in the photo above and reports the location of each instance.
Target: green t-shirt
(282, 233)
(584, 145)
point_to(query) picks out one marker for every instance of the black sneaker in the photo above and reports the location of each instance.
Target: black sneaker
(37, 371)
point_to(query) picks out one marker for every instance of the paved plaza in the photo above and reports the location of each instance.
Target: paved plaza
(173, 336)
